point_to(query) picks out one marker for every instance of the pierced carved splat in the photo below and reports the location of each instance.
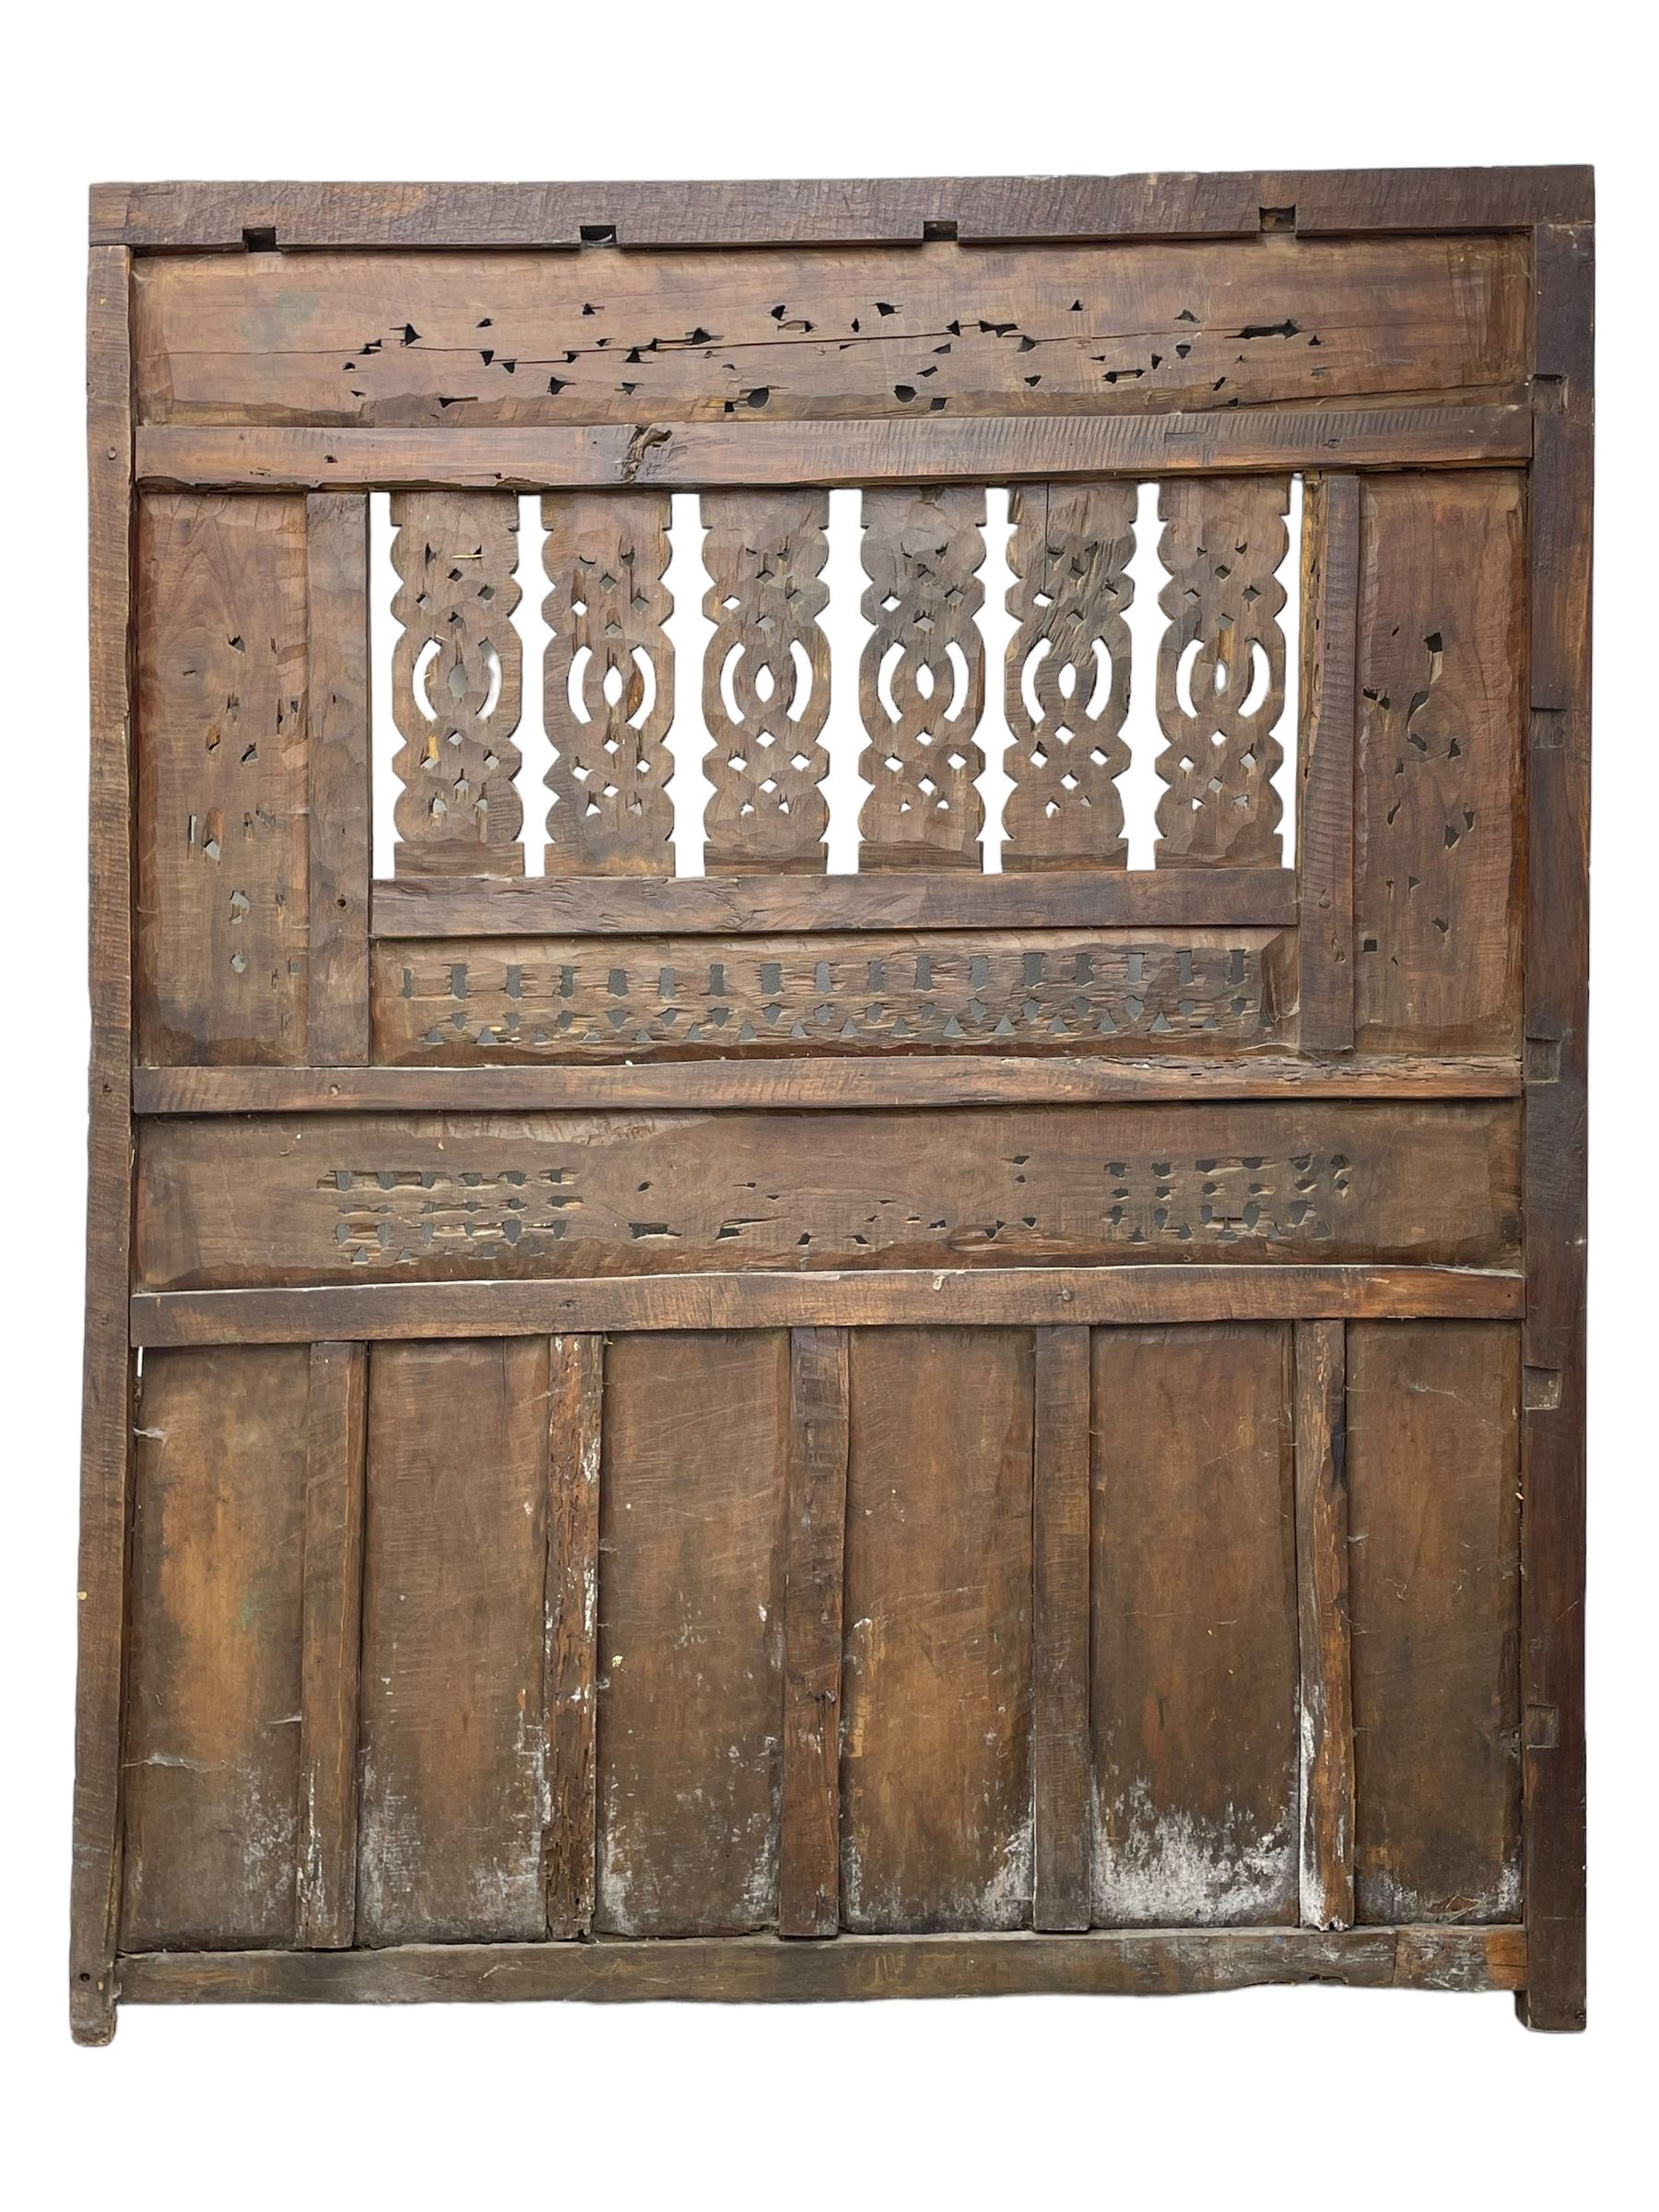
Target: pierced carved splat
(455, 675)
(1221, 671)
(765, 553)
(608, 687)
(1066, 686)
(921, 678)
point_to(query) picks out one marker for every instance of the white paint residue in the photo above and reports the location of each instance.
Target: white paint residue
(1173, 1869)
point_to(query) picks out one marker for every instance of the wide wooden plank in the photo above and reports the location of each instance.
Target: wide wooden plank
(703, 455)
(1433, 1466)
(230, 1203)
(453, 1745)
(1193, 1642)
(213, 1689)
(574, 1435)
(1437, 856)
(937, 1685)
(221, 843)
(338, 659)
(1060, 1520)
(1330, 566)
(761, 1968)
(543, 999)
(1327, 1696)
(691, 1596)
(331, 1639)
(1032, 1296)
(809, 1857)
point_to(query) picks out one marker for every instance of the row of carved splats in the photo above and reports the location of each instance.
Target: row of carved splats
(608, 695)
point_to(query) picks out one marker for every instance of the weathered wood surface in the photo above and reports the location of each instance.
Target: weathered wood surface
(224, 1203)
(1326, 1695)
(331, 1629)
(694, 456)
(742, 1970)
(809, 1846)
(960, 1297)
(1324, 767)
(575, 1416)
(946, 328)
(1061, 1761)
(339, 797)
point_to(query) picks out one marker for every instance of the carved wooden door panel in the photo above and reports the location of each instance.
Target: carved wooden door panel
(1005, 1415)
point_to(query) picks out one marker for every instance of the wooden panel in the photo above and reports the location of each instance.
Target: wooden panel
(1433, 1463)
(809, 1870)
(1326, 1738)
(1060, 1520)
(645, 336)
(212, 1755)
(1324, 764)
(936, 1688)
(227, 1203)
(455, 1551)
(332, 1628)
(222, 787)
(472, 1000)
(692, 1589)
(575, 1434)
(339, 800)
(1194, 1659)
(1437, 862)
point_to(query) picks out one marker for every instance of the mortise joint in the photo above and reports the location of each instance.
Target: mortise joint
(598, 234)
(1543, 1727)
(1277, 218)
(1548, 394)
(943, 227)
(261, 240)
(1543, 1063)
(1541, 1388)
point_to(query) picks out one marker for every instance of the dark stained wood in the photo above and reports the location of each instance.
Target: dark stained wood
(809, 1855)
(1557, 1026)
(338, 797)
(936, 1684)
(1327, 1696)
(1324, 837)
(106, 1400)
(212, 1755)
(692, 1601)
(1194, 1627)
(694, 456)
(1432, 1467)
(454, 1738)
(332, 1643)
(978, 1298)
(574, 1432)
(1060, 1745)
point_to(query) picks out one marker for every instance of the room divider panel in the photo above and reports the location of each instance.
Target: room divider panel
(664, 1420)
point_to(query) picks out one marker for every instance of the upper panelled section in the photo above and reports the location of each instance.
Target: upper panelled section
(605, 337)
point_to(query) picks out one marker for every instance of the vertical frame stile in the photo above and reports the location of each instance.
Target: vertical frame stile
(337, 774)
(106, 1387)
(574, 1408)
(1060, 1767)
(1330, 578)
(1553, 1181)
(335, 1461)
(1327, 1696)
(809, 1850)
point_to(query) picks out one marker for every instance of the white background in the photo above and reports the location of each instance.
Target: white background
(1262, 2098)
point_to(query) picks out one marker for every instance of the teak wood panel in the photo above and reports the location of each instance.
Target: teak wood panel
(1063, 1518)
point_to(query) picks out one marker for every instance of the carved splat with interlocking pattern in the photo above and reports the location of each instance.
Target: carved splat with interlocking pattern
(921, 678)
(455, 677)
(609, 684)
(1222, 670)
(766, 680)
(1066, 686)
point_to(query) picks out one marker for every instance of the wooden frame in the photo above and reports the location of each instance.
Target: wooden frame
(1492, 431)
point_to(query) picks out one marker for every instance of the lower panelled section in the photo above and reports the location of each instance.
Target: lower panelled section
(950, 1638)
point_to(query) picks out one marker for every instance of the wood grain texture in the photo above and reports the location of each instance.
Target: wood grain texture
(1326, 1695)
(936, 1683)
(1194, 1641)
(1062, 1815)
(574, 1443)
(222, 785)
(107, 1373)
(1433, 1463)
(212, 1755)
(809, 1856)
(453, 1736)
(1437, 885)
(691, 1600)
(339, 799)
(331, 1650)
(1324, 763)
(942, 328)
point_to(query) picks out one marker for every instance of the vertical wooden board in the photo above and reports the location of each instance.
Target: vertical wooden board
(338, 655)
(454, 1749)
(1324, 767)
(221, 747)
(691, 1585)
(335, 1438)
(1060, 1520)
(574, 1445)
(1322, 1582)
(212, 1755)
(809, 1867)
(1195, 1670)
(936, 1827)
(1434, 1475)
(1442, 664)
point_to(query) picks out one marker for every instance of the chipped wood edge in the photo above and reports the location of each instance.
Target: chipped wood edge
(575, 1405)
(1325, 764)
(1325, 1697)
(340, 802)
